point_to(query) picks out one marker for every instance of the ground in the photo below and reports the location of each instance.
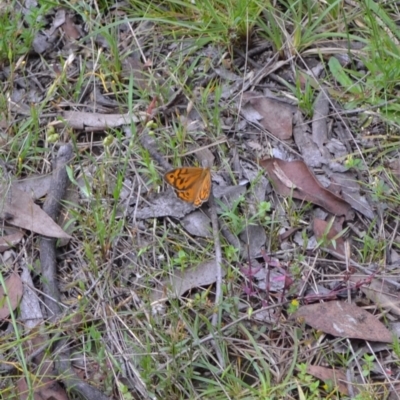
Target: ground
(199, 199)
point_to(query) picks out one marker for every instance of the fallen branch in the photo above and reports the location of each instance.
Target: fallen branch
(52, 295)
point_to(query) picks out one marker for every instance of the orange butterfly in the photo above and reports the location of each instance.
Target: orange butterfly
(191, 184)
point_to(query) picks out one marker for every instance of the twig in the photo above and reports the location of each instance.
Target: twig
(218, 260)
(48, 263)
(233, 240)
(150, 145)
(359, 267)
(204, 156)
(48, 245)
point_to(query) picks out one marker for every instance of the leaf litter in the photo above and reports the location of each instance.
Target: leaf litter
(305, 162)
(19, 210)
(273, 115)
(342, 319)
(10, 294)
(193, 277)
(330, 376)
(293, 178)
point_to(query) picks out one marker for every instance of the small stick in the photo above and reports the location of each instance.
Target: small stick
(218, 260)
(204, 156)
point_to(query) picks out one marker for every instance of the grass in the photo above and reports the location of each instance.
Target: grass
(109, 269)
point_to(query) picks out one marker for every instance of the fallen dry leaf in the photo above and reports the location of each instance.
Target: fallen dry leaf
(43, 389)
(350, 190)
(319, 123)
(18, 209)
(228, 195)
(14, 293)
(70, 29)
(293, 178)
(162, 205)
(30, 313)
(328, 375)
(342, 319)
(96, 121)
(42, 43)
(275, 116)
(182, 281)
(59, 20)
(8, 241)
(379, 293)
(254, 236)
(305, 143)
(197, 224)
(276, 279)
(320, 227)
(36, 186)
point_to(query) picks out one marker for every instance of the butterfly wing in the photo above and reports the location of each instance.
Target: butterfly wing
(182, 179)
(204, 190)
(191, 184)
(185, 196)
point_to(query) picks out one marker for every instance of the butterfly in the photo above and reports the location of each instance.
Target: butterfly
(191, 184)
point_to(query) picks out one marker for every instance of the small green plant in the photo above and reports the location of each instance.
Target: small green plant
(149, 168)
(262, 214)
(305, 93)
(354, 163)
(293, 306)
(271, 28)
(295, 267)
(231, 253)
(296, 211)
(18, 30)
(304, 237)
(181, 259)
(231, 215)
(125, 391)
(380, 190)
(372, 247)
(326, 239)
(396, 348)
(368, 364)
(308, 382)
